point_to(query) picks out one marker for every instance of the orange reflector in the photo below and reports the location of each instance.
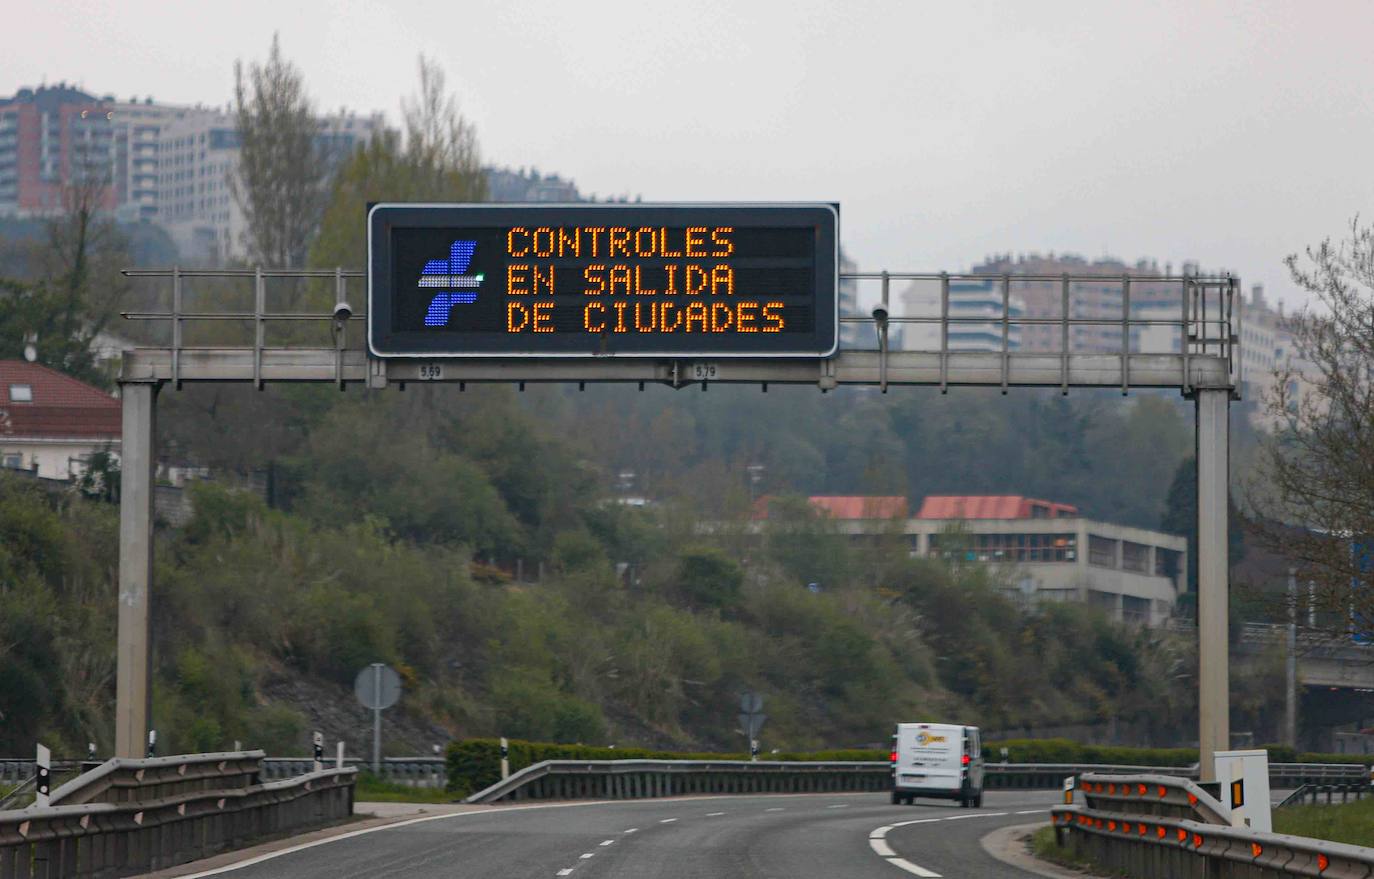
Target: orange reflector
(1141, 828)
(1142, 790)
(1111, 788)
(1182, 834)
(1125, 827)
(1192, 799)
(1111, 825)
(1098, 823)
(1256, 849)
(1322, 862)
(1161, 831)
(1162, 791)
(1197, 840)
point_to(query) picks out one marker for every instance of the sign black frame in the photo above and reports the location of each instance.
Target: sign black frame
(384, 340)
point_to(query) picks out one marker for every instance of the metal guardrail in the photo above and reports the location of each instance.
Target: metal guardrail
(412, 771)
(161, 812)
(1151, 826)
(654, 778)
(1327, 793)
(635, 779)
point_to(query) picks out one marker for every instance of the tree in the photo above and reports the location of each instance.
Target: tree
(437, 161)
(1319, 464)
(281, 180)
(74, 289)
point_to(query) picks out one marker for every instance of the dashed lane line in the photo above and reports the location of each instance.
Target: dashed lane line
(608, 842)
(714, 814)
(775, 809)
(667, 821)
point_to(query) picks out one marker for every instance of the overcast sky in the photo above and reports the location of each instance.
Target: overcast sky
(1228, 133)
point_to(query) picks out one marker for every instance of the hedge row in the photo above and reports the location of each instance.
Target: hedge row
(474, 764)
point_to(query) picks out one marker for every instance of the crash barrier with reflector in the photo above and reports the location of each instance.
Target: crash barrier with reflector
(127, 817)
(1150, 826)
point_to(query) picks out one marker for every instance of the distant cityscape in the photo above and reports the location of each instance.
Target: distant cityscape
(170, 165)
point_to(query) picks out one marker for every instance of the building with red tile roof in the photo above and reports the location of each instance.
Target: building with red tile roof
(992, 506)
(51, 422)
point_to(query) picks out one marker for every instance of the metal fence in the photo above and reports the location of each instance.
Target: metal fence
(1327, 794)
(1149, 826)
(128, 817)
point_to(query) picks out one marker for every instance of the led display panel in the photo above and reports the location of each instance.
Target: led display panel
(631, 280)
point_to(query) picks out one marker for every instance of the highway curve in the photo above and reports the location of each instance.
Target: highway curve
(814, 836)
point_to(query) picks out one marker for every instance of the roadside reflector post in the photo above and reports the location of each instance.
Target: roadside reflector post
(318, 741)
(43, 768)
(1068, 790)
(505, 758)
(339, 757)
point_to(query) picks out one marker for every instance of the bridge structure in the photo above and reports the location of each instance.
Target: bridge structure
(1203, 364)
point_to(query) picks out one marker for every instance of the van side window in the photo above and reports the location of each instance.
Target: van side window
(975, 746)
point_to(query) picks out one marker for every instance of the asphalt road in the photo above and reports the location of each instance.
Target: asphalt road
(817, 836)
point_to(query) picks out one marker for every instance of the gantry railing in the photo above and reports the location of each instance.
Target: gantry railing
(936, 329)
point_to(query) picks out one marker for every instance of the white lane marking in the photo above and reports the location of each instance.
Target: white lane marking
(913, 868)
(774, 809)
(714, 814)
(667, 821)
(567, 871)
(882, 848)
(840, 806)
(586, 855)
(608, 842)
(631, 830)
(1032, 811)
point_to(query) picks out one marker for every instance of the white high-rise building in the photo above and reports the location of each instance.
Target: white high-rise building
(199, 154)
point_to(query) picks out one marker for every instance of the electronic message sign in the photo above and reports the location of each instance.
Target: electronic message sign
(629, 280)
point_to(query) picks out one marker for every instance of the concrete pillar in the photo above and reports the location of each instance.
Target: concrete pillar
(133, 691)
(1214, 692)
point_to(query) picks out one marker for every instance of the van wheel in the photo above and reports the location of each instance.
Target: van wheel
(963, 802)
(896, 798)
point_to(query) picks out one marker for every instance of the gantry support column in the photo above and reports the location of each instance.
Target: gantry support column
(1213, 592)
(133, 693)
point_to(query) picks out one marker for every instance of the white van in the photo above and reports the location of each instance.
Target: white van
(938, 760)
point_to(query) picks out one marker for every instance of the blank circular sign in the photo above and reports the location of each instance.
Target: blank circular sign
(377, 686)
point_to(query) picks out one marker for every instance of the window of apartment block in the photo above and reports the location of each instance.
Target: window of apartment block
(13, 461)
(1101, 551)
(1135, 557)
(21, 393)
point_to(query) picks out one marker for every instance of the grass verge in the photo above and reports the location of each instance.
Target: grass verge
(372, 789)
(1349, 822)
(1043, 846)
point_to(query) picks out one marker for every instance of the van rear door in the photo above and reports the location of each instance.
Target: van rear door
(929, 756)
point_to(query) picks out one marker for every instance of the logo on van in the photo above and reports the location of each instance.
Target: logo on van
(925, 738)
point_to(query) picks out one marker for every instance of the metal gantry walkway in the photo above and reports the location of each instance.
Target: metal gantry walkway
(252, 342)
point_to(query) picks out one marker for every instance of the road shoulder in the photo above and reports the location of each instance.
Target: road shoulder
(1009, 845)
